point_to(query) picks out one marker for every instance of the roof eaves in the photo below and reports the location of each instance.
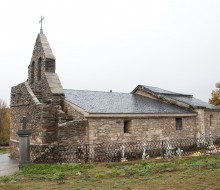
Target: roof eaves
(143, 115)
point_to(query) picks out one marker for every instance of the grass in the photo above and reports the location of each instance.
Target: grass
(182, 173)
(4, 150)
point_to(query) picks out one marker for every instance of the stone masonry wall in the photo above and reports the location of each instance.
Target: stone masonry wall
(212, 128)
(45, 84)
(23, 103)
(40, 98)
(112, 130)
(200, 121)
(73, 132)
(42, 66)
(69, 109)
(42, 116)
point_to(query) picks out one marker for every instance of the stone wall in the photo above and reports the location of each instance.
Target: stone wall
(212, 123)
(40, 98)
(41, 72)
(14, 149)
(24, 103)
(112, 130)
(70, 110)
(200, 121)
(204, 125)
(73, 132)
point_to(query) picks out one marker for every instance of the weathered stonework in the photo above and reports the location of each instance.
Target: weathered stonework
(54, 119)
(73, 132)
(40, 98)
(148, 129)
(212, 123)
(69, 108)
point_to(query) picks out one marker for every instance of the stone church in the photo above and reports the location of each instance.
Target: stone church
(79, 116)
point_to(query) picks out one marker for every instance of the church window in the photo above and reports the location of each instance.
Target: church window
(210, 120)
(32, 72)
(127, 126)
(179, 125)
(39, 68)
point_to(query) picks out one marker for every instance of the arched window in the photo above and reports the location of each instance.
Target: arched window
(32, 72)
(39, 69)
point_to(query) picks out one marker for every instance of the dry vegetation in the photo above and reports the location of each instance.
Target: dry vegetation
(215, 99)
(4, 123)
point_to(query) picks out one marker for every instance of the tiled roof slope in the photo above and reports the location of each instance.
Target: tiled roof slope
(162, 91)
(123, 103)
(194, 102)
(186, 98)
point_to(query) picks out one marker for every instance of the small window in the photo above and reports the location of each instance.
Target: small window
(179, 124)
(210, 120)
(32, 72)
(39, 69)
(127, 126)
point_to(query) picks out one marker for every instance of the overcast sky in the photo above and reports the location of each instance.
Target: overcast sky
(115, 44)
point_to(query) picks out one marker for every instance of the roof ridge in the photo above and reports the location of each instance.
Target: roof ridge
(98, 91)
(166, 92)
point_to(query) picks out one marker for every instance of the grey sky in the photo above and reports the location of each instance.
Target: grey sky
(117, 44)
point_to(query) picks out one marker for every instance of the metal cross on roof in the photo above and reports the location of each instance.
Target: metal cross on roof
(24, 122)
(41, 21)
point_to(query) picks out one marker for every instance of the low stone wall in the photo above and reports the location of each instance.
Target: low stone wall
(73, 132)
(14, 149)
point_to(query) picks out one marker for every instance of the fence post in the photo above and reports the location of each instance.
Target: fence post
(86, 156)
(24, 144)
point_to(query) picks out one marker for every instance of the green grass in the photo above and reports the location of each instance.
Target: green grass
(4, 150)
(182, 173)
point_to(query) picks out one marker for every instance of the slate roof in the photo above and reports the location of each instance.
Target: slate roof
(120, 103)
(186, 98)
(162, 91)
(194, 102)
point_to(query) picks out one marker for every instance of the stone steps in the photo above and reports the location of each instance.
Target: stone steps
(64, 117)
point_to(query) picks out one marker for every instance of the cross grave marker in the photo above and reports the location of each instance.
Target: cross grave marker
(24, 142)
(24, 122)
